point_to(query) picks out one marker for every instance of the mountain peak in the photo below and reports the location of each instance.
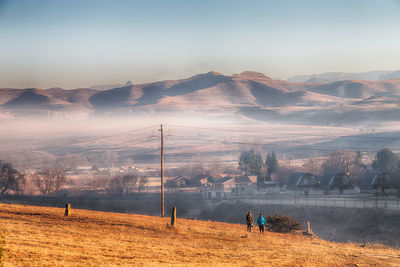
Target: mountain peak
(253, 74)
(209, 74)
(128, 83)
(214, 73)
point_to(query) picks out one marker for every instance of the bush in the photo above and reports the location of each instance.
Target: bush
(283, 224)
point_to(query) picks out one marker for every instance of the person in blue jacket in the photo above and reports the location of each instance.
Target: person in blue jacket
(261, 223)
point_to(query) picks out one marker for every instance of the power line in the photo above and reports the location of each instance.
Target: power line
(79, 151)
(286, 133)
(308, 147)
(79, 142)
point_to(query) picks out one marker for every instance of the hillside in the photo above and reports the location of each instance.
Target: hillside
(44, 237)
(250, 95)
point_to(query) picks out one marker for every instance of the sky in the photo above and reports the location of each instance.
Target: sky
(81, 43)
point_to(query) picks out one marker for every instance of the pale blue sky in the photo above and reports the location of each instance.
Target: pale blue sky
(78, 43)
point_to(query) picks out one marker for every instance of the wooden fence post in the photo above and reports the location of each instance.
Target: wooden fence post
(67, 210)
(173, 216)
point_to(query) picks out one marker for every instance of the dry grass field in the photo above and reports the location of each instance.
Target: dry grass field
(39, 236)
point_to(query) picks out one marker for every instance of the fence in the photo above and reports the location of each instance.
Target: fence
(149, 203)
(338, 202)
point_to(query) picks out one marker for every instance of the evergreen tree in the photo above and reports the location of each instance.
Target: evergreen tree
(250, 162)
(272, 164)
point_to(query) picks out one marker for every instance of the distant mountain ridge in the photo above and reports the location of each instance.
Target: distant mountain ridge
(249, 94)
(342, 76)
(109, 86)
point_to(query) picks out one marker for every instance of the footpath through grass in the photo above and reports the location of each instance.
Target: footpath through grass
(39, 236)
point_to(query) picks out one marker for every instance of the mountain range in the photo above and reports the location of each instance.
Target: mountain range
(251, 95)
(342, 76)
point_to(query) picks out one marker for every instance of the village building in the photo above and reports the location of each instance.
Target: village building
(230, 187)
(244, 186)
(180, 181)
(201, 181)
(226, 184)
(335, 181)
(376, 182)
(303, 181)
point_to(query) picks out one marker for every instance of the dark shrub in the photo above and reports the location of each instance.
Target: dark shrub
(283, 224)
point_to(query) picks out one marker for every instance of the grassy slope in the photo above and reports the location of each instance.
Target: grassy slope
(43, 236)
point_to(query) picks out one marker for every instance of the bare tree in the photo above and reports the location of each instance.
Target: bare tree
(312, 165)
(348, 162)
(123, 184)
(10, 179)
(142, 183)
(99, 183)
(50, 180)
(339, 161)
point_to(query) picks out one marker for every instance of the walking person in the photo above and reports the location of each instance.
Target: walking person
(261, 223)
(249, 221)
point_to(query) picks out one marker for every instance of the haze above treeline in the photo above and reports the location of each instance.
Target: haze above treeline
(212, 113)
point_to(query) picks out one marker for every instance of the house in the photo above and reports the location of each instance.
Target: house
(375, 181)
(225, 184)
(244, 186)
(222, 189)
(335, 180)
(302, 181)
(243, 181)
(229, 187)
(201, 181)
(180, 181)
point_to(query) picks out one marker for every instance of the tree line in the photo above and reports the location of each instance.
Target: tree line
(251, 162)
(52, 180)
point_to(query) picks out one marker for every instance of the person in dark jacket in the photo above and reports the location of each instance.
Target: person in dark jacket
(249, 221)
(261, 223)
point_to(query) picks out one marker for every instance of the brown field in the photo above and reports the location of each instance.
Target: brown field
(39, 236)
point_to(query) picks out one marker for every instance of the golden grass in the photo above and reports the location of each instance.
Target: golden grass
(39, 236)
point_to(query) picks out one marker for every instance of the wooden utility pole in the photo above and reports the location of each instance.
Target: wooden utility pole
(162, 171)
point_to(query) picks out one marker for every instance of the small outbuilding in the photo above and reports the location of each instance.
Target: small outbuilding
(376, 181)
(335, 180)
(302, 181)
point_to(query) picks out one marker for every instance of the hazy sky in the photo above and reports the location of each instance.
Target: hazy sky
(78, 43)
